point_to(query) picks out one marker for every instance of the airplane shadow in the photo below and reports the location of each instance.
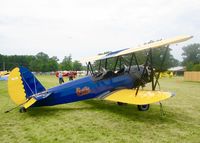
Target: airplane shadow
(153, 115)
(128, 111)
(51, 111)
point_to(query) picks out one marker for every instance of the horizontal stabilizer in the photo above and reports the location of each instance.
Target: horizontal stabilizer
(29, 103)
(143, 97)
(36, 97)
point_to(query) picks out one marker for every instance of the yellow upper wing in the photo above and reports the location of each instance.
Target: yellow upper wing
(143, 97)
(155, 44)
(93, 58)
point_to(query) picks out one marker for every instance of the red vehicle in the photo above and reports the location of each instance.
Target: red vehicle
(72, 74)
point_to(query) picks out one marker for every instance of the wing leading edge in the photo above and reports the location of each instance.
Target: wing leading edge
(143, 97)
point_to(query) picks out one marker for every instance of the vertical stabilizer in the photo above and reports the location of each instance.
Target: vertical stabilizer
(22, 84)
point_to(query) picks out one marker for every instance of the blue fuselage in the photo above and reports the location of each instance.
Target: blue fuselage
(85, 88)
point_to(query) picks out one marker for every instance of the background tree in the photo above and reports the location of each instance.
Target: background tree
(66, 64)
(191, 57)
(40, 62)
(158, 55)
(9, 62)
(77, 66)
(53, 64)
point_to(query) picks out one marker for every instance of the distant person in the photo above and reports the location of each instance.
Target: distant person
(71, 76)
(60, 78)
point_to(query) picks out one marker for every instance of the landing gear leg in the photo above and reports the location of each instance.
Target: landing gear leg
(22, 110)
(161, 110)
(143, 107)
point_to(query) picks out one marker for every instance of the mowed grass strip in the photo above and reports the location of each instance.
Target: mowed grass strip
(103, 121)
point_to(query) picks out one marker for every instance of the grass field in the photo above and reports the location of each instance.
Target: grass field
(102, 121)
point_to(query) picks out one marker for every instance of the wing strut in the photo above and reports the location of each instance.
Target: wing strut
(116, 63)
(136, 61)
(150, 59)
(161, 65)
(143, 72)
(89, 67)
(151, 67)
(99, 65)
(130, 63)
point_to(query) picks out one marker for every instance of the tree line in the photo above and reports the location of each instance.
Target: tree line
(41, 62)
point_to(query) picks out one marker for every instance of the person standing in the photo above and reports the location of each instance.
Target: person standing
(60, 77)
(71, 75)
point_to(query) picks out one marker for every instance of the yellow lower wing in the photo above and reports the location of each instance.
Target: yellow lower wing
(143, 97)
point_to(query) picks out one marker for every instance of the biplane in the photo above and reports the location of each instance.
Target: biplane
(122, 84)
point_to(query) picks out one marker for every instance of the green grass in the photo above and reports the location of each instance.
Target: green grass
(102, 121)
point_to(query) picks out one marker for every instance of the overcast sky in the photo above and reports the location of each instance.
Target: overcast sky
(87, 27)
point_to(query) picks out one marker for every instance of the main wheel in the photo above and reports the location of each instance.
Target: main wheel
(120, 103)
(22, 110)
(143, 107)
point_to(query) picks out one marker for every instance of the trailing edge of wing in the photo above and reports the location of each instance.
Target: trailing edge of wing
(155, 44)
(143, 97)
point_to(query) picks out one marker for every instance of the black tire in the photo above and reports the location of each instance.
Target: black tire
(120, 103)
(143, 107)
(22, 110)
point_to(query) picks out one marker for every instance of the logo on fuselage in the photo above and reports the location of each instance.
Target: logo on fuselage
(84, 91)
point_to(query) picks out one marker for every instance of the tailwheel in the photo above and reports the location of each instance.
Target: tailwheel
(120, 103)
(143, 107)
(22, 110)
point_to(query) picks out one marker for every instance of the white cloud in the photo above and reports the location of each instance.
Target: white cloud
(85, 28)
